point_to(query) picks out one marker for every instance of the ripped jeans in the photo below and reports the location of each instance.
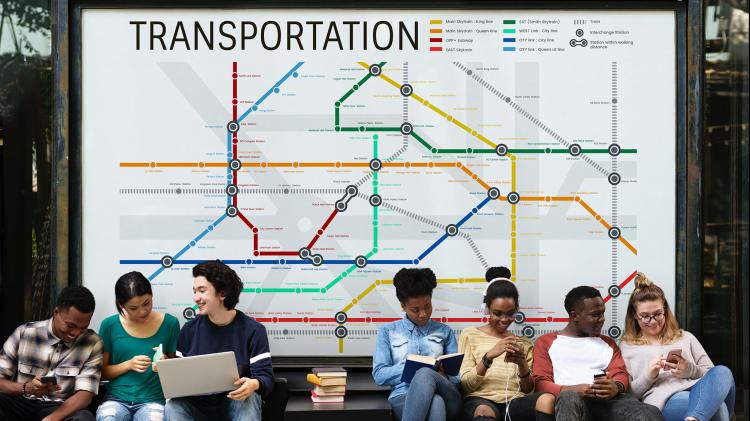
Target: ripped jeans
(117, 410)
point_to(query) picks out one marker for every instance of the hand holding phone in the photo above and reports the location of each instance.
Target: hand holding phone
(674, 356)
(52, 379)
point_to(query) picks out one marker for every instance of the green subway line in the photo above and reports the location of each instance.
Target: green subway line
(422, 141)
(336, 123)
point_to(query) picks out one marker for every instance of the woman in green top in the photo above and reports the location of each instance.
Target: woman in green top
(131, 339)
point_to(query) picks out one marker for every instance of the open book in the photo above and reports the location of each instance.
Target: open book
(450, 363)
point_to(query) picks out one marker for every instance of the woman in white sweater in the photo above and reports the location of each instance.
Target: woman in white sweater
(668, 366)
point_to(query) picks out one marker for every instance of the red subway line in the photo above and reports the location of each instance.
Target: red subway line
(622, 284)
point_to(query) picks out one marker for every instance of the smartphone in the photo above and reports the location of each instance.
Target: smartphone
(673, 354)
(600, 375)
(48, 379)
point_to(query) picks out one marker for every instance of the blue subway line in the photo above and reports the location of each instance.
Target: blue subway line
(184, 249)
(270, 91)
(458, 224)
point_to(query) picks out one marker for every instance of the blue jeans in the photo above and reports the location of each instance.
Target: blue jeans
(117, 410)
(430, 397)
(214, 408)
(712, 398)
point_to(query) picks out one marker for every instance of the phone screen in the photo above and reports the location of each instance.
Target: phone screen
(49, 380)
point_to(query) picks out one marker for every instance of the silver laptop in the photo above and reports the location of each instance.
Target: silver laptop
(198, 375)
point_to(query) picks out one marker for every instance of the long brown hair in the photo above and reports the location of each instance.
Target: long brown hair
(645, 290)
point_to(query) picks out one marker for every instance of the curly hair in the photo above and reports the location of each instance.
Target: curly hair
(413, 282)
(223, 278)
(501, 287)
(645, 290)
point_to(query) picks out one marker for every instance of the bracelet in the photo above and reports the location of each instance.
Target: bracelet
(620, 387)
(528, 373)
(486, 361)
(23, 389)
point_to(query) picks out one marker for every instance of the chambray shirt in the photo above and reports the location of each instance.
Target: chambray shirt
(398, 339)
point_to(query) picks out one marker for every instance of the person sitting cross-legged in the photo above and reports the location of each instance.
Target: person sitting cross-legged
(430, 395)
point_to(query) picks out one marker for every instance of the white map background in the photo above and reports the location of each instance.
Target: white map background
(156, 152)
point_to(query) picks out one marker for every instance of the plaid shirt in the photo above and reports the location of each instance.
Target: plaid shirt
(33, 350)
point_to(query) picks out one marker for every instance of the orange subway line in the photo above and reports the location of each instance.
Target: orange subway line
(316, 164)
(628, 245)
(134, 164)
(217, 164)
(475, 177)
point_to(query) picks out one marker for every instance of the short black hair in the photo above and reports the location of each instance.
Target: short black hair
(500, 288)
(578, 294)
(223, 278)
(131, 284)
(76, 296)
(414, 282)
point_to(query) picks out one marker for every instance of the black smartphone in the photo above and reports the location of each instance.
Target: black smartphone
(48, 380)
(600, 375)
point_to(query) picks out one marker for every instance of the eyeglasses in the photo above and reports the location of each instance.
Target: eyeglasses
(647, 318)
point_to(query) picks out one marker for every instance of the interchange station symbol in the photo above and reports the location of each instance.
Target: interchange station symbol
(306, 255)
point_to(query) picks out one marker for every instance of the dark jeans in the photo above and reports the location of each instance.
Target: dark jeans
(571, 406)
(18, 408)
(522, 408)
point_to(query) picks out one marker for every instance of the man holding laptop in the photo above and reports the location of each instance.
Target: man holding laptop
(217, 329)
(50, 369)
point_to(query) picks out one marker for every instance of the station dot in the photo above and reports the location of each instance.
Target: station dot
(377, 282)
(338, 104)
(416, 261)
(433, 150)
(355, 87)
(361, 128)
(255, 108)
(320, 232)
(598, 218)
(234, 75)
(276, 90)
(257, 290)
(474, 210)
(192, 243)
(210, 227)
(338, 128)
(234, 102)
(295, 74)
(547, 150)
(255, 253)
(255, 230)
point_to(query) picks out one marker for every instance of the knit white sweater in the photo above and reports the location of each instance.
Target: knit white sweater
(657, 391)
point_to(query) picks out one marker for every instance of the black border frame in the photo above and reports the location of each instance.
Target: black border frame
(66, 236)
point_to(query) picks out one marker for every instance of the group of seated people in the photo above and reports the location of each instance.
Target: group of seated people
(50, 369)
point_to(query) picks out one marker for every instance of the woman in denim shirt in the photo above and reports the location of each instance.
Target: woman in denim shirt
(430, 395)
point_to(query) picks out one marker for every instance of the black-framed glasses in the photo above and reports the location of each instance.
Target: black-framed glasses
(647, 318)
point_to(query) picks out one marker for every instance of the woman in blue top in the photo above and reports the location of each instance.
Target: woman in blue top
(130, 339)
(430, 395)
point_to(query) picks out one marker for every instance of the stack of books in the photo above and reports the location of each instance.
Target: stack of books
(329, 384)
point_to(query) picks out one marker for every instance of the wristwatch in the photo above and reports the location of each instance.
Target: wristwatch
(486, 361)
